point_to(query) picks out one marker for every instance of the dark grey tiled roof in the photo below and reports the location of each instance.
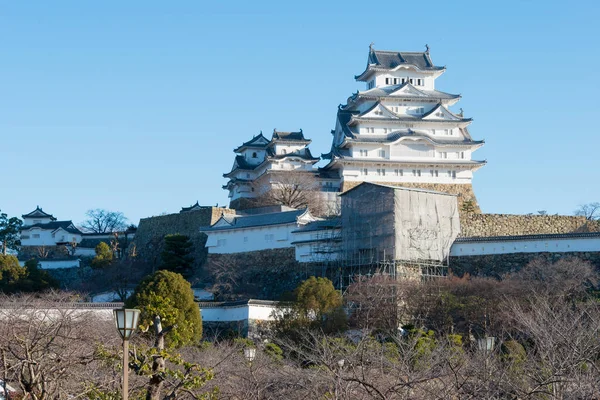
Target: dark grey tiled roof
(549, 236)
(66, 225)
(325, 174)
(243, 164)
(392, 137)
(38, 213)
(286, 217)
(320, 225)
(301, 153)
(289, 136)
(192, 207)
(391, 59)
(254, 142)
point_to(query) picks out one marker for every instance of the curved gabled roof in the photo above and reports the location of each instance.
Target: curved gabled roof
(38, 213)
(383, 60)
(409, 133)
(258, 142)
(289, 136)
(301, 153)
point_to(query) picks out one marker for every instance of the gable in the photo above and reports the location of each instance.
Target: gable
(407, 90)
(378, 111)
(440, 113)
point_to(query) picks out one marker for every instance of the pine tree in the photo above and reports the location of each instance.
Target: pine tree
(176, 254)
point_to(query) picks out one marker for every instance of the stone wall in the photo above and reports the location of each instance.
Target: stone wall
(148, 241)
(497, 265)
(263, 274)
(486, 225)
(43, 252)
(464, 192)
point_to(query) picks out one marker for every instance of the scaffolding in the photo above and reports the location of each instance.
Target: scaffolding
(397, 232)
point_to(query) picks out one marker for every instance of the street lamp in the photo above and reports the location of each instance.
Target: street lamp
(250, 353)
(126, 321)
(486, 344)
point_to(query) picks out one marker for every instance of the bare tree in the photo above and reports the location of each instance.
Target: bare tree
(48, 348)
(104, 221)
(296, 189)
(590, 211)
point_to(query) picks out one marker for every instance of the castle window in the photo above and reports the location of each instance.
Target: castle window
(398, 172)
(436, 173)
(420, 110)
(247, 176)
(221, 242)
(382, 153)
(378, 172)
(35, 236)
(269, 237)
(284, 151)
(254, 155)
(364, 171)
(443, 154)
(453, 174)
(462, 155)
(245, 239)
(419, 82)
(387, 81)
(363, 153)
(431, 172)
(37, 221)
(383, 172)
(449, 174)
(411, 80)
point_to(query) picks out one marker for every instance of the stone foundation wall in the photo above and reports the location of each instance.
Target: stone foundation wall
(497, 265)
(464, 192)
(486, 225)
(263, 274)
(43, 252)
(148, 241)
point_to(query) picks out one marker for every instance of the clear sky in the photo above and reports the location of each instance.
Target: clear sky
(136, 106)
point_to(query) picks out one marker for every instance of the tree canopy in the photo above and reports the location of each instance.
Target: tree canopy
(176, 254)
(104, 221)
(30, 278)
(590, 211)
(168, 295)
(104, 256)
(10, 237)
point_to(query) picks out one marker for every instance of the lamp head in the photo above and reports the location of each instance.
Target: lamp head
(126, 321)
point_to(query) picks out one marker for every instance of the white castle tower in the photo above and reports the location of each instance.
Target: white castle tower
(400, 130)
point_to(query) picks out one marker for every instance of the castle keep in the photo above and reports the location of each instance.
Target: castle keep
(398, 131)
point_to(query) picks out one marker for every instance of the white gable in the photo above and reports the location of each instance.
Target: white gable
(441, 113)
(379, 111)
(408, 90)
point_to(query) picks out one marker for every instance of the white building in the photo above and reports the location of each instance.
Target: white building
(546, 243)
(259, 161)
(243, 233)
(400, 129)
(42, 229)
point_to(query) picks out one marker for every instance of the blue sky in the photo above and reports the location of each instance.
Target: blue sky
(136, 106)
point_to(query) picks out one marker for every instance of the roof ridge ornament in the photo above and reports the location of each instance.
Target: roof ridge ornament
(426, 48)
(461, 113)
(371, 46)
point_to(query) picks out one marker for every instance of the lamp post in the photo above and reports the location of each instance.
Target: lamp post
(126, 321)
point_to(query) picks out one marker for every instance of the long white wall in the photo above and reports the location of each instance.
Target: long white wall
(56, 264)
(250, 239)
(541, 245)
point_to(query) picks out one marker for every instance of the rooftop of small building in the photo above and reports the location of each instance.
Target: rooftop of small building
(54, 225)
(38, 213)
(249, 221)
